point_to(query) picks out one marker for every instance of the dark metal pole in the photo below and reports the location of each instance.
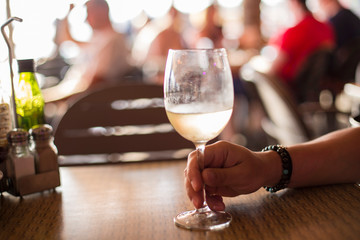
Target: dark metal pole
(10, 64)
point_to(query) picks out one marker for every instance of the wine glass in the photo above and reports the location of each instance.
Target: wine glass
(199, 97)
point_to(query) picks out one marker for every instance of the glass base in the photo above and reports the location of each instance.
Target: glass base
(203, 219)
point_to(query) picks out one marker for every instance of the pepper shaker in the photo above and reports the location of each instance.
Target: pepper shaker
(46, 153)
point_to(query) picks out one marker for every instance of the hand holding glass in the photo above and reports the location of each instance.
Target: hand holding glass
(199, 97)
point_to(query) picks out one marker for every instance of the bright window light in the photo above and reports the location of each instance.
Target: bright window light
(124, 10)
(156, 8)
(272, 2)
(79, 29)
(229, 3)
(191, 6)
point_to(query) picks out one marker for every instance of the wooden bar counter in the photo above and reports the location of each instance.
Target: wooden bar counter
(139, 201)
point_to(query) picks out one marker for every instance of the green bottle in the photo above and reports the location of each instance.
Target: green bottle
(28, 97)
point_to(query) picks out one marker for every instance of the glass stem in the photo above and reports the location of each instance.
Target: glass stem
(200, 149)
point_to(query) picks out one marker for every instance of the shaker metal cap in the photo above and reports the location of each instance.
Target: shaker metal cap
(41, 132)
(18, 135)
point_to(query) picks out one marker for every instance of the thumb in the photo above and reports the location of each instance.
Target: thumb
(219, 177)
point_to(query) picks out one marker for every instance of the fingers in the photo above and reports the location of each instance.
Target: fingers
(230, 170)
(230, 182)
(215, 202)
(220, 177)
(214, 155)
(221, 191)
(193, 173)
(193, 181)
(196, 197)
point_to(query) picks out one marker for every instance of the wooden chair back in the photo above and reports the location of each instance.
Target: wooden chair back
(122, 123)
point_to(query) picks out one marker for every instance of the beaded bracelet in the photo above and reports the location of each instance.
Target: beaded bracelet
(286, 164)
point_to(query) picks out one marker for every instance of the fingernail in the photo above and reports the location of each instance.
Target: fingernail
(195, 201)
(193, 185)
(219, 207)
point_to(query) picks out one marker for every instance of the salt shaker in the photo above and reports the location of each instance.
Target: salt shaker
(46, 153)
(21, 159)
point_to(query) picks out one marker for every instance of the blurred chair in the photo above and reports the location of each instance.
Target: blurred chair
(284, 121)
(118, 123)
(346, 60)
(343, 67)
(309, 81)
(321, 81)
(315, 90)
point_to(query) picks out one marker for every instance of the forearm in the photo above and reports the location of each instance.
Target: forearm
(233, 170)
(73, 83)
(333, 158)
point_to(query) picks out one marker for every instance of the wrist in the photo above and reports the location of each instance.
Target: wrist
(272, 170)
(286, 164)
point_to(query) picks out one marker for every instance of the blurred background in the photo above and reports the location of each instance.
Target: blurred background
(245, 27)
(34, 37)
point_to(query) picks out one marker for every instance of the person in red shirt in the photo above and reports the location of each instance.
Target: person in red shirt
(297, 43)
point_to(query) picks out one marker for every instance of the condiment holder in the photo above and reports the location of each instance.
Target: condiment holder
(29, 165)
(32, 161)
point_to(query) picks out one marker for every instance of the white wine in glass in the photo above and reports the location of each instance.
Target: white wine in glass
(199, 97)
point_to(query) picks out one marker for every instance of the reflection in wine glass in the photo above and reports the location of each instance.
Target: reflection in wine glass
(199, 96)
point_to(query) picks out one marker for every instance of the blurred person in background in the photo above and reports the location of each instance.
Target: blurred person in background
(345, 23)
(153, 42)
(297, 43)
(346, 57)
(105, 58)
(283, 58)
(211, 34)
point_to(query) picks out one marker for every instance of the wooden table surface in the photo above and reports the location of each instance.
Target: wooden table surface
(139, 201)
